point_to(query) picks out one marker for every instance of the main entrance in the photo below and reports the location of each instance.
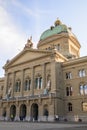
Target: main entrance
(34, 112)
(12, 112)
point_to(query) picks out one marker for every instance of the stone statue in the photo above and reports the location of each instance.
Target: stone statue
(29, 43)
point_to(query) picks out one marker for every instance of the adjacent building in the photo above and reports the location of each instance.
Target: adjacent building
(47, 82)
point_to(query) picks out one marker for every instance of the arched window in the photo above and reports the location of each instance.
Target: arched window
(17, 85)
(69, 106)
(27, 84)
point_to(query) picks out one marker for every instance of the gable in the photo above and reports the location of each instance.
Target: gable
(25, 56)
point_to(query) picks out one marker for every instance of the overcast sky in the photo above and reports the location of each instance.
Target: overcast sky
(20, 19)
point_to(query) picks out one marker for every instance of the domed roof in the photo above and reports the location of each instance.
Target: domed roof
(58, 28)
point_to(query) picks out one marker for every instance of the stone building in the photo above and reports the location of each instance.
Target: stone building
(47, 82)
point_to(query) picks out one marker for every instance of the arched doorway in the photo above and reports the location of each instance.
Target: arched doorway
(23, 110)
(34, 112)
(12, 112)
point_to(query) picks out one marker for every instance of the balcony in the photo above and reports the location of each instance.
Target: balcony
(30, 97)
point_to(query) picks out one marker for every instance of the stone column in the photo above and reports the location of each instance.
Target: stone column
(22, 82)
(13, 83)
(53, 76)
(40, 112)
(43, 76)
(6, 85)
(32, 80)
(51, 112)
(17, 118)
(8, 112)
(28, 111)
(1, 111)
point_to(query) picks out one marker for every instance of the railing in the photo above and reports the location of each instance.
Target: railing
(28, 97)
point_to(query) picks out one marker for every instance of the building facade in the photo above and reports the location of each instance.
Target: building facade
(48, 82)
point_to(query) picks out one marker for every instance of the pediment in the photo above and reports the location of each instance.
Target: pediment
(25, 56)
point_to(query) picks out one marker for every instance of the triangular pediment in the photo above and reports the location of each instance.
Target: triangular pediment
(25, 56)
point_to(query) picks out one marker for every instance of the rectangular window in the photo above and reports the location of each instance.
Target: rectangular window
(36, 83)
(81, 89)
(82, 73)
(69, 91)
(68, 75)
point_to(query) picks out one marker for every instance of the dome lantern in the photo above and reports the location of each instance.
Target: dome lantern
(57, 22)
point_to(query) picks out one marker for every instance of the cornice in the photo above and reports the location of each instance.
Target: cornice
(46, 52)
(75, 61)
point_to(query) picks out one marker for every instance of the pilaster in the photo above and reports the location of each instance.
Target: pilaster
(13, 83)
(43, 75)
(53, 76)
(22, 82)
(32, 80)
(6, 85)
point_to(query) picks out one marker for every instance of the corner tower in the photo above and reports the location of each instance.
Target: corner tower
(61, 38)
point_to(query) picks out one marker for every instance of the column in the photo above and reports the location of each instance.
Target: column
(28, 110)
(38, 82)
(51, 112)
(43, 76)
(8, 112)
(1, 111)
(22, 82)
(53, 76)
(32, 80)
(6, 85)
(17, 118)
(13, 84)
(40, 113)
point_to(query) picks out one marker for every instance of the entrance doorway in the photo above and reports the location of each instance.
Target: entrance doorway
(12, 112)
(23, 110)
(34, 112)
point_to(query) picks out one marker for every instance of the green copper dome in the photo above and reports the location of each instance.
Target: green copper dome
(54, 30)
(57, 29)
